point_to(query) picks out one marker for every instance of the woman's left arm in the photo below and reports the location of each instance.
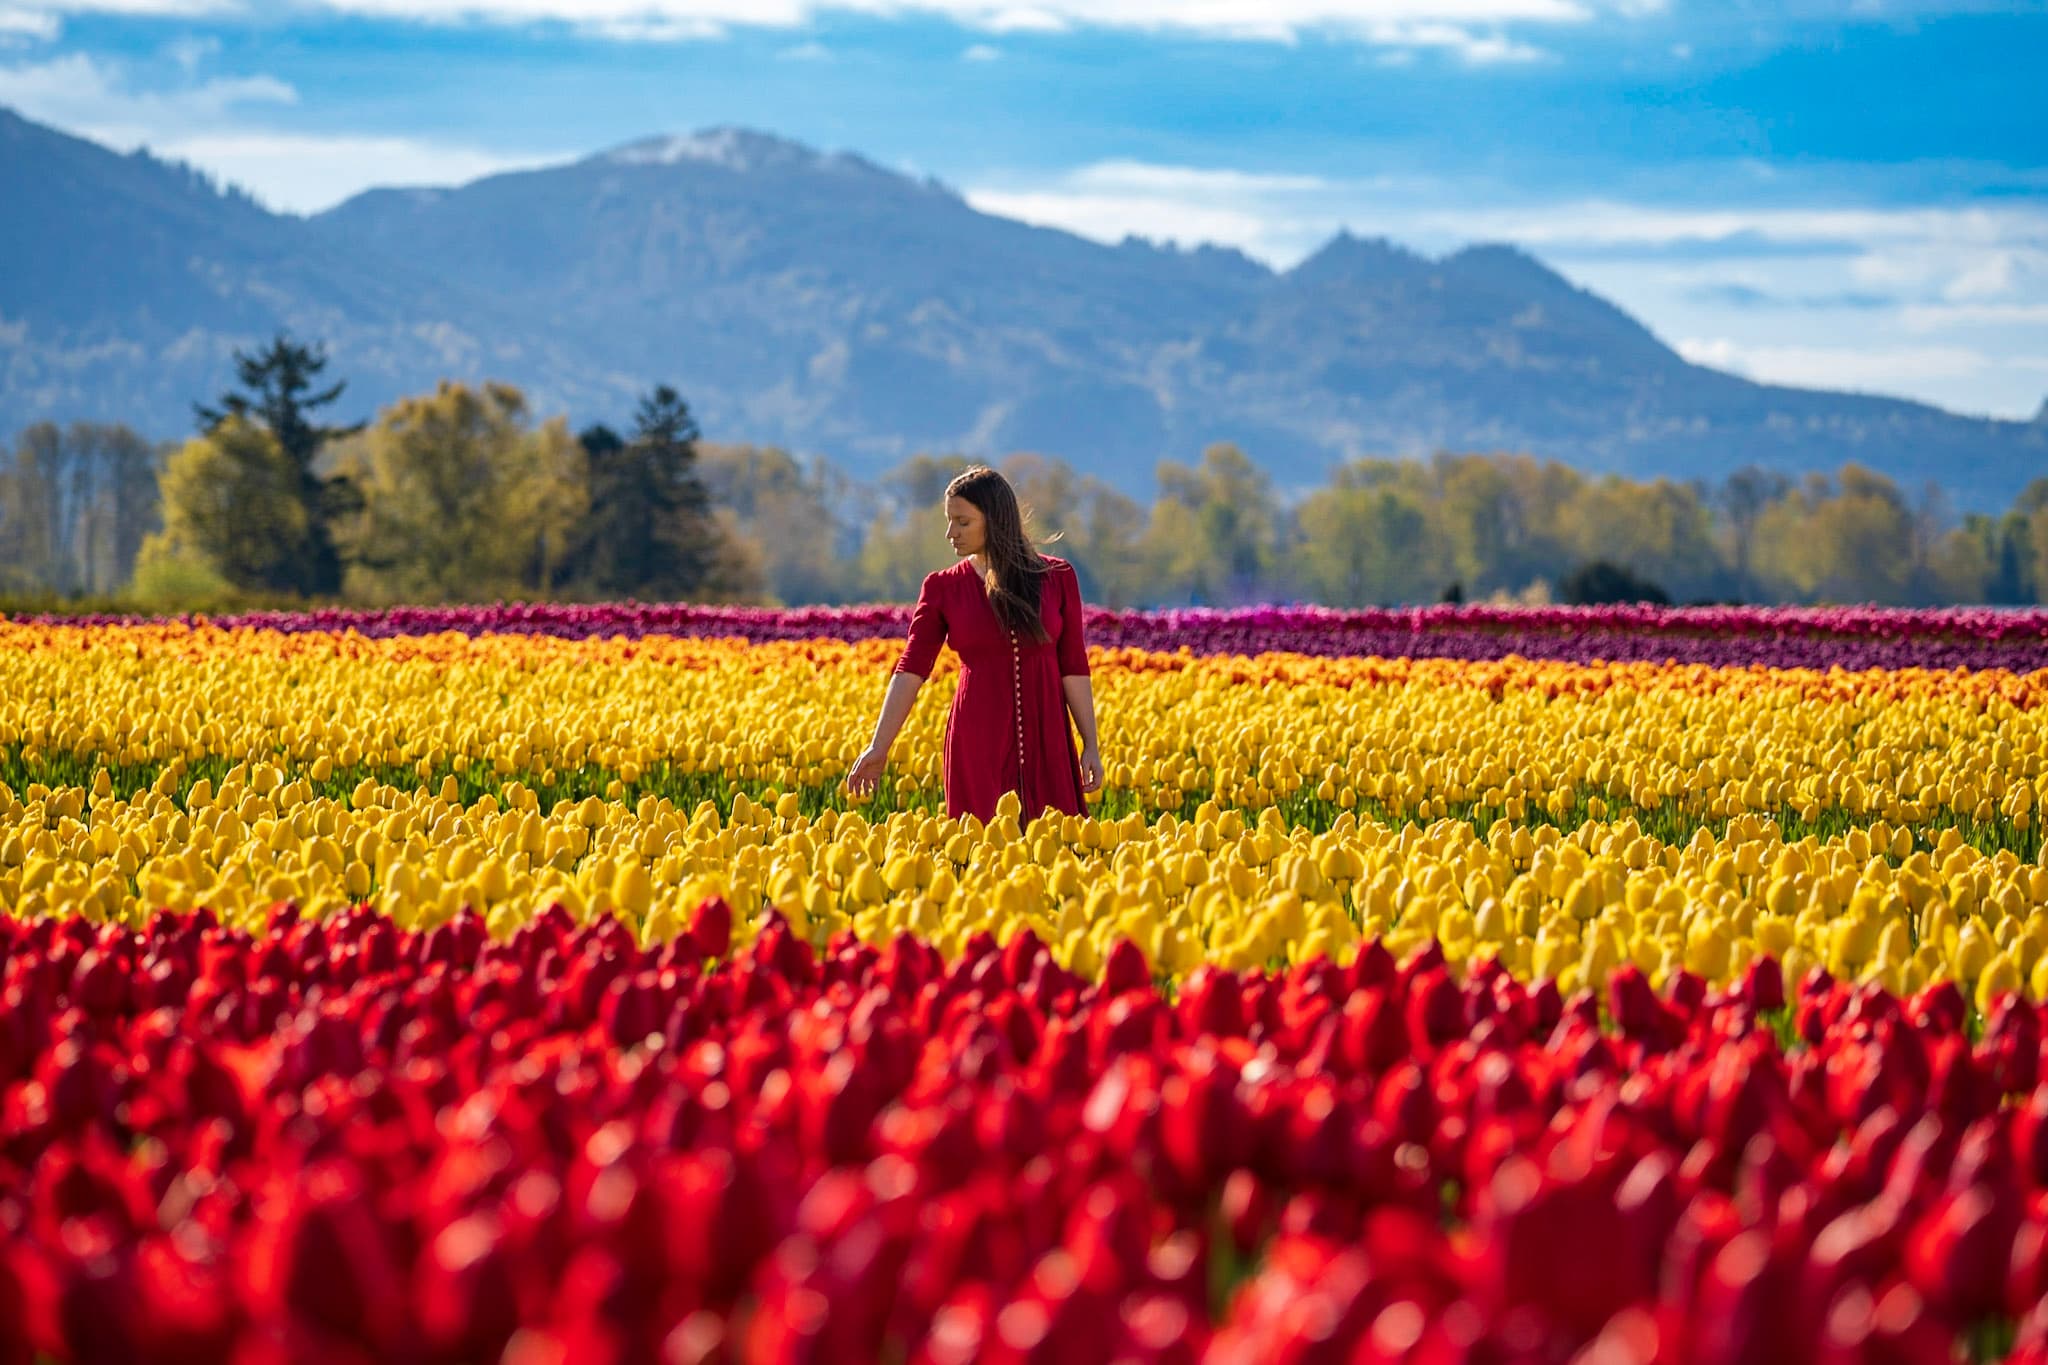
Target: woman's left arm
(1080, 692)
(1075, 680)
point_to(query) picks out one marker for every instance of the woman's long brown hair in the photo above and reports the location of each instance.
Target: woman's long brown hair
(1015, 567)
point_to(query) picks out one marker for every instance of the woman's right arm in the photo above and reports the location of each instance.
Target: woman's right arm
(866, 773)
(896, 704)
(913, 666)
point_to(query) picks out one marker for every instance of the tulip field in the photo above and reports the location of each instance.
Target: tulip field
(520, 984)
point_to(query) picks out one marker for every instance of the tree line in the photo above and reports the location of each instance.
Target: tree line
(466, 494)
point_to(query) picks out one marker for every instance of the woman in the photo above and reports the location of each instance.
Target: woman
(1014, 617)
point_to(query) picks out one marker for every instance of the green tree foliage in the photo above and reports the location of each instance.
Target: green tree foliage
(1660, 531)
(1099, 529)
(173, 582)
(1838, 540)
(2028, 532)
(2007, 548)
(231, 506)
(461, 498)
(1745, 496)
(1367, 539)
(462, 495)
(1213, 535)
(783, 516)
(907, 538)
(1501, 517)
(1108, 526)
(279, 393)
(649, 532)
(1498, 526)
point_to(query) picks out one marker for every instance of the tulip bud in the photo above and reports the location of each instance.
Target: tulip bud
(1435, 1011)
(1126, 969)
(322, 1261)
(1960, 1253)
(711, 927)
(1763, 985)
(1211, 1001)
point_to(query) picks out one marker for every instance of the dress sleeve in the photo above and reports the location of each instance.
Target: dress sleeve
(927, 632)
(1073, 649)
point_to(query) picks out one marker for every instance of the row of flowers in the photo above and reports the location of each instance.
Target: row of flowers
(339, 1140)
(691, 719)
(1784, 637)
(1880, 902)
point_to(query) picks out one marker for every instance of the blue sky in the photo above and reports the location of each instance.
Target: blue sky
(1848, 194)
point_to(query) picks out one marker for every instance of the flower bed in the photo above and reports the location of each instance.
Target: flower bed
(1779, 637)
(464, 986)
(347, 1141)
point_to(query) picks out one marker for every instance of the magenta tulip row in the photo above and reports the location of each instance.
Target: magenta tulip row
(1791, 637)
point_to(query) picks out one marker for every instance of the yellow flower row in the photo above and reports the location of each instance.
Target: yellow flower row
(686, 717)
(1874, 903)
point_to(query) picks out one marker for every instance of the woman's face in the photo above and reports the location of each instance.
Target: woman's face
(965, 527)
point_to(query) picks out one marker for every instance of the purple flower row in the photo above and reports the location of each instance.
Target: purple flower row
(1783, 637)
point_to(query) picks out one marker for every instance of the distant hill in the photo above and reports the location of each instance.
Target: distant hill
(821, 302)
(126, 283)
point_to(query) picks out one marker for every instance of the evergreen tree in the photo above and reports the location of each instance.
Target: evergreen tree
(279, 394)
(599, 441)
(649, 533)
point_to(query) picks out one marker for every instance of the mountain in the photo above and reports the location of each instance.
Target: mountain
(824, 303)
(128, 282)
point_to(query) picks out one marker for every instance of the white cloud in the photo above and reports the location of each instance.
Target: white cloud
(1143, 177)
(806, 52)
(44, 19)
(28, 25)
(1449, 24)
(1956, 254)
(1953, 375)
(1833, 367)
(1110, 218)
(629, 28)
(1594, 223)
(84, 94)
(981, 52)
(1929, 317)
(150, 9)
(202, 122)
(189, 52)
(1021, 19)
(2001, 273)
(305, 174)
(1476, 49)
(1276, 217)
(1485, 49)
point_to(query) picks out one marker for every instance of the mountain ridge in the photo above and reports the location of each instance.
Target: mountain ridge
(819, 301)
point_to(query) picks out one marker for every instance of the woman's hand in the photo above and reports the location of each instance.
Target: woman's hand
(866, 773)
(1091, 769)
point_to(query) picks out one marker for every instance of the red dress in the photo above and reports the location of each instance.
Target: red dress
(1007, 729)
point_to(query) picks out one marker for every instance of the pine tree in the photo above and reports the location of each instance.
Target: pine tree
(279, 395)
(650, 533)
